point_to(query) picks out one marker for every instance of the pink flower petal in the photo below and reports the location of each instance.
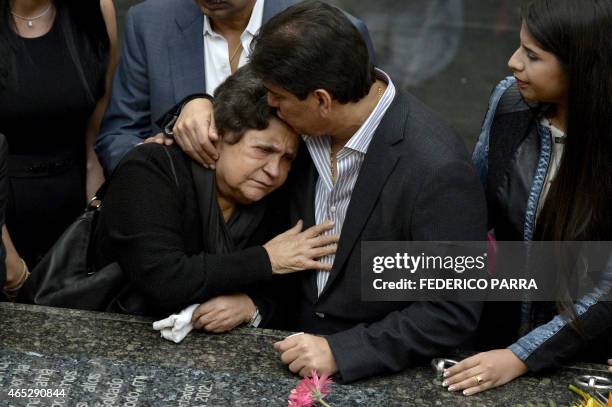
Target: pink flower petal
(309, 390)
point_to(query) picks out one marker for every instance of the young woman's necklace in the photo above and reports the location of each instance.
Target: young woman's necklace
(30, 20)
(237, 51)
(557, 139)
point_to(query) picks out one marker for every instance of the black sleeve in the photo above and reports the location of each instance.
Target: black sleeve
(276, 301)
(144, 212)
(169, 118)
(3, 203)
(562, 339)
(593, 334)
(269, 296)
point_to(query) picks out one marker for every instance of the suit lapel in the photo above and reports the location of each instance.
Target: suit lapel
(305, 189)
(303, 207)
(379, 162)
(273, 7)
(186, 51)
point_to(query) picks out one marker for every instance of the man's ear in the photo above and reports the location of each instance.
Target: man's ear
(324, 101)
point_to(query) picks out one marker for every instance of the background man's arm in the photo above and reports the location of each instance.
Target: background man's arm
(127, 121)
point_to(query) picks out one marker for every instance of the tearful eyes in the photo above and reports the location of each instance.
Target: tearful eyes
(265, 150)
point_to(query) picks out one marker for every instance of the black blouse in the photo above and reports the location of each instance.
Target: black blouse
(46, 109)
(153, 228)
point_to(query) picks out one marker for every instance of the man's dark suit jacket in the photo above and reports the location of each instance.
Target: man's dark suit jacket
(162, 62)
(416, 183)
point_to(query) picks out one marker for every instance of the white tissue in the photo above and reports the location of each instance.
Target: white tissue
(176, 327)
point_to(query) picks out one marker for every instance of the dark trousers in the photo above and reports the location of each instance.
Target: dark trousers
(46, 194)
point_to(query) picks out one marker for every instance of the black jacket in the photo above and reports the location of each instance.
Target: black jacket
(153, 228)
(509, 154)
(416, 183)
(3, 201)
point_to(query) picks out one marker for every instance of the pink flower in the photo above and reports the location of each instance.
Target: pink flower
(310, 390)
(299, 398)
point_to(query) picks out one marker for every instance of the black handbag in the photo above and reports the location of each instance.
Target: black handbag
(66, 277)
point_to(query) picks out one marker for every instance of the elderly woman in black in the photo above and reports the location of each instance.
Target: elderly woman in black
(184, 234)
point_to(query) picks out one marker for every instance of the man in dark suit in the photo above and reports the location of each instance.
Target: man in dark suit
(172, 49)
(382, 167)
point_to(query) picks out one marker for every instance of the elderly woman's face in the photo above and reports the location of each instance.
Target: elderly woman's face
(258, 164)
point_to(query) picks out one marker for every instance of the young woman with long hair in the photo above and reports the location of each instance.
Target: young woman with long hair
(544, 155)
(56, 63)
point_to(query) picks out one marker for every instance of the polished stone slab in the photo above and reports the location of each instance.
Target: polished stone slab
(102, 359)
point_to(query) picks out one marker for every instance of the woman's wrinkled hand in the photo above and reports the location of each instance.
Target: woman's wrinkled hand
(297, 250)
(484, 371)
(223, 313)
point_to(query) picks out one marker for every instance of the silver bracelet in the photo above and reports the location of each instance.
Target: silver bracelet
(255, 319)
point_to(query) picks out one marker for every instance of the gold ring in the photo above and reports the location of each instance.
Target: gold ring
(478, 379)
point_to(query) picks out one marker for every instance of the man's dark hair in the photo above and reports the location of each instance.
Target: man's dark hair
(310, 46)
(241, 105)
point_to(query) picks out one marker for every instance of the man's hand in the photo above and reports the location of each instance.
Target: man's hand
(484, 371)
(195, 132)
(160, 138)
(223, 313)
(304, 352)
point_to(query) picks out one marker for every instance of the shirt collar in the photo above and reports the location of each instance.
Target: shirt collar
(360, 141)
(256, 18)
(252, 27)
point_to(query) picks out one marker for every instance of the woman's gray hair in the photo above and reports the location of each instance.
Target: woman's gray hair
(240, 105)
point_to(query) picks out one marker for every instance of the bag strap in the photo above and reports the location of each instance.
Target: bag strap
(95, 203)
(172, 166)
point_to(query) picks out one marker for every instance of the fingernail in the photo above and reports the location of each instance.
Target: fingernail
(466, 393)
(444, 383)
(446, 373)
(451, 388)
(212, 166)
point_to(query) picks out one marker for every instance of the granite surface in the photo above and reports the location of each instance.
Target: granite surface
(100, 359)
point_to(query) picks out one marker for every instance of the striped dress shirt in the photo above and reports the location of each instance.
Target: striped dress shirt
(332, 201)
